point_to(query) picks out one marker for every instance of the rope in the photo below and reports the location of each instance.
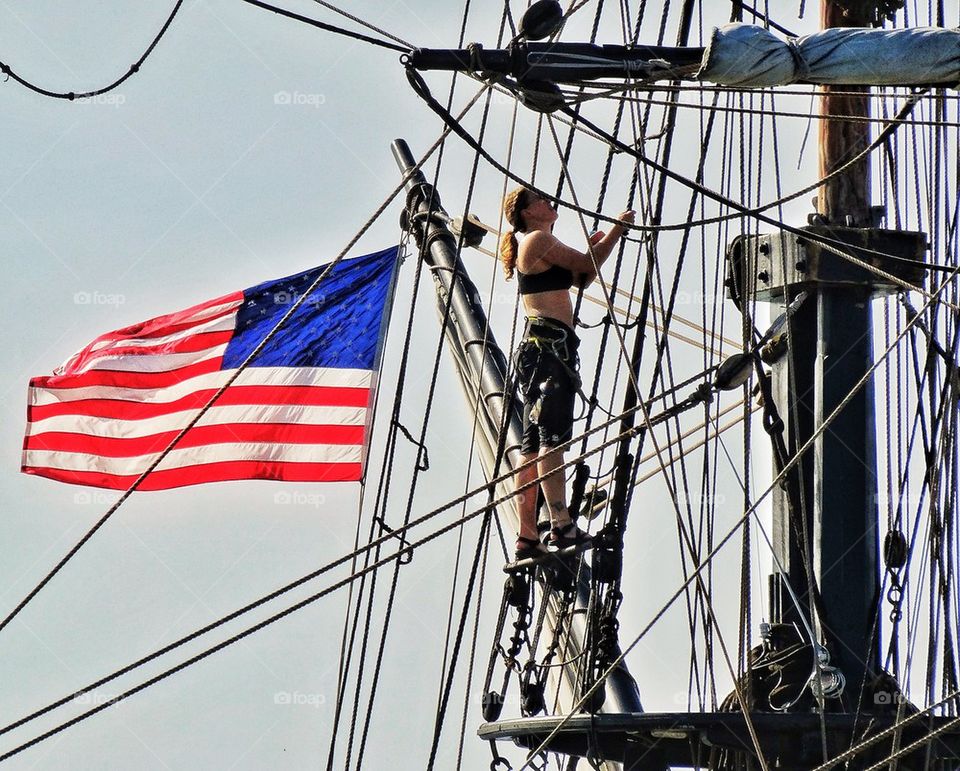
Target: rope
(829, 244)
(233, 377)
(420, 87)
(445, 697)
(878, 737)
(329, 27)
(400, 531)
(782, 114)
(6, 70)
(731, 532)
(410, 547)
(368, 25)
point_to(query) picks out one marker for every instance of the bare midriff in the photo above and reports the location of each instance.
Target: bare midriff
(555, 304)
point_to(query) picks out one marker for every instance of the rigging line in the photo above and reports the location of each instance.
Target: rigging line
(661, 347)
(368, 25)
(778, 564)
(593, 259)
(336, 563)
(623, 293)
(626, 356)
(688, 450)
(485, 529)
(735, 344)
(593, 402)
(876, 93)
(348, 636)
(760, 15)
(448, 687)
(331, 28)
(878, 737)
(405, 549)
(476, 411)
(564, 120)
(422, 90)
(793, 461)
(473, 650)
(773, 113)
(646, 416)
(377, 517)
(824, 242)
(886, 762)
(70, 95)
(233, 377)
(447, 311)
(651, 323)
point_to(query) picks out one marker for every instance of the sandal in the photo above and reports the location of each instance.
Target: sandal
(569, 535)
(543, 531)
(531, 549)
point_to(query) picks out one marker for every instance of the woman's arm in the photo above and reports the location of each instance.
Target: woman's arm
(544, 246)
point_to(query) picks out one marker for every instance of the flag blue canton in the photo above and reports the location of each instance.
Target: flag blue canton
(337, 326)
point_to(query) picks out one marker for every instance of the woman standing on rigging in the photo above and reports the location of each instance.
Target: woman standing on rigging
(547, 270)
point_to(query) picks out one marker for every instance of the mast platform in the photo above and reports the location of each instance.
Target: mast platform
(720, 740)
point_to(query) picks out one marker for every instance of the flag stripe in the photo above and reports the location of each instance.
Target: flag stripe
(216, 415)
(95, 378)
(210, 472)
(132, 350)
(131, 410)
(119, 447)
(160, 326)
(279, 376)
(269, 452)
(157, 363)
(146, 345)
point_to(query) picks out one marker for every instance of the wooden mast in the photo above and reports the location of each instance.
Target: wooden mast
(844, 200)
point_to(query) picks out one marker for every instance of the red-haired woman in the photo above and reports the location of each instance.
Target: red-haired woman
(547, 271)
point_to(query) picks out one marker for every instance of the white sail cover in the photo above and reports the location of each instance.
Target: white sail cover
(751, 56)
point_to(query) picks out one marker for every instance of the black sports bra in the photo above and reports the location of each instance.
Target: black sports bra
(555, 277)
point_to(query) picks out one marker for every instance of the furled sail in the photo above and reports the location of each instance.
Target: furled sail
(750, 56)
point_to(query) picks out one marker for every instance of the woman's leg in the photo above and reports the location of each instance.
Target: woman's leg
(554, 486)
(527, 504)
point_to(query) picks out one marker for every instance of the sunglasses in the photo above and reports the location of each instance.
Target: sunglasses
(530, 198)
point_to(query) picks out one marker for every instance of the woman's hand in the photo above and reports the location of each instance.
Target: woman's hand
(627, 217)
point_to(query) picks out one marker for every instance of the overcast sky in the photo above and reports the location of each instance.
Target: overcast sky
(251, 147)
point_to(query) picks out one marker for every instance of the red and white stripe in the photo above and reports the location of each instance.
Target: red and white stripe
(112, 408)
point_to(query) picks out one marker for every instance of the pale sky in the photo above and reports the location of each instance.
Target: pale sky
(251, 147)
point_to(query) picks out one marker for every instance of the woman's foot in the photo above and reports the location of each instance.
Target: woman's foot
(564, 536)
(529, 548)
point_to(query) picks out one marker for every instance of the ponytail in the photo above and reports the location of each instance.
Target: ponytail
(514, 202)
(508, 253)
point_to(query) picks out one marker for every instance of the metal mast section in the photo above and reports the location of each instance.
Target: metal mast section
(825, 513)
(482, 368)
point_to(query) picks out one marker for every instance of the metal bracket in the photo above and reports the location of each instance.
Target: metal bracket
(771, 267)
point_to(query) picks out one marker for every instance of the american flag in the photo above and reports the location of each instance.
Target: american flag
(298, 412)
